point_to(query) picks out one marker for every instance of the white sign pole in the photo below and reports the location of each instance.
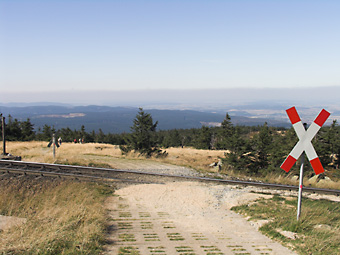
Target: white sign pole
(300, 186)
(301, 181)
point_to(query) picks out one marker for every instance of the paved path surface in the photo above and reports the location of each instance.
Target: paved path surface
(182, 218)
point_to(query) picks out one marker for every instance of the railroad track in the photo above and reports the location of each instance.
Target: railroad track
(96, 173)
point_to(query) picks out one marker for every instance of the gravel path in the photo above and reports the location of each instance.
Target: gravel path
(153, 167)
(184, 218)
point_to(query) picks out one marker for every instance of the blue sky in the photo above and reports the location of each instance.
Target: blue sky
(148, 45)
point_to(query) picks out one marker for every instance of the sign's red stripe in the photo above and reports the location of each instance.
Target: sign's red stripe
(317, 167)
(322, 117)
(288, 164)
(293, 115)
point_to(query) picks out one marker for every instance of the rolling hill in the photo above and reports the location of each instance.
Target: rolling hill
(120, 119)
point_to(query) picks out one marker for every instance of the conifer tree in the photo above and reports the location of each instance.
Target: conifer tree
(225, 134)
(27, 130)
(238, 157)
(326, 143)
(13, 130)
(203, 140)
(143, 135)
(263, 146)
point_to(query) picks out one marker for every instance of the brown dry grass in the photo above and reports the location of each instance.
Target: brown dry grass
(39, 152)
(62, 217)
(105, 154)
(194, 158)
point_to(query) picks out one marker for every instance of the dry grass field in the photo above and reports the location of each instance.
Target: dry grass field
(107, 155)
(62, 217)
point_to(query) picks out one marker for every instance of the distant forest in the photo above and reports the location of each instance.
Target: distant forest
(254, 149)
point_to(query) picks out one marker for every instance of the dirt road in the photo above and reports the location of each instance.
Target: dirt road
(184, 218)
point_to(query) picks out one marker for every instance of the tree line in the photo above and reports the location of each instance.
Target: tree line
(252, 149)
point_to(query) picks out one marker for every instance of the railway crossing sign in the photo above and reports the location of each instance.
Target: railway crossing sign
(304, 145)
(305, 138)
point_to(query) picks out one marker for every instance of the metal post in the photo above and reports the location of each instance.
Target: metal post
(300, 186)
(301, 181)
(3, 135)
(53, 144)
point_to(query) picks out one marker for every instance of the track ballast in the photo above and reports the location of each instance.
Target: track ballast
(120, 175)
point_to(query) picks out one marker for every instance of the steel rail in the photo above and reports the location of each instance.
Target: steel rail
(44, 173)
(25, 170)
(9, 165)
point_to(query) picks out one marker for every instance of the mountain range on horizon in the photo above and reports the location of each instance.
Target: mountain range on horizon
(114, 111)
(120, 119)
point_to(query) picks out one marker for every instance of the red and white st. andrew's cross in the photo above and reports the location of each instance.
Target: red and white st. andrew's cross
(305, 138)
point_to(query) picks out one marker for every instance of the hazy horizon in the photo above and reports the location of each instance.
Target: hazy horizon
(189, 99)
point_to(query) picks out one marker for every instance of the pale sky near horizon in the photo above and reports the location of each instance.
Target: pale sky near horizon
(128, 45)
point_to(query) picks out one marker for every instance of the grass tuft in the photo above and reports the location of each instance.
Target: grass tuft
(317, 231)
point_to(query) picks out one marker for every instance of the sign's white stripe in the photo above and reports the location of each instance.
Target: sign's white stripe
(299, 129)
(312, 130)
(297, 150)
(310, 151)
